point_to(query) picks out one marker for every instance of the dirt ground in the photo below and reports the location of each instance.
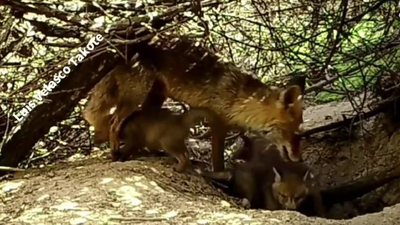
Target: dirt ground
(95, 191)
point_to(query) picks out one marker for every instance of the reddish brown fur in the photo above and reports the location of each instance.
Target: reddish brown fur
(161, 129)
(267, 181)
(253, 147)
(255, 180)
(118, 89)
(238, 98)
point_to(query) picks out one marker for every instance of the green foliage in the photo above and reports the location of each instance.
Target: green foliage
(289, 42)
(325, 97)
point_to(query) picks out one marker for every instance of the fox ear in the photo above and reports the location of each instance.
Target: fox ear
(292, 98)
(278, 177)
(246, 140)
(308, 175)
(299, 80)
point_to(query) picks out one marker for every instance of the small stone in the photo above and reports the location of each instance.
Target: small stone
(116, 204)
(77, 221)
(170, 214)
(65, 206)
(151, 212)
(245, 203)
(11, 186)
(43, 197)
(106, 180)
(225, 203)
(202, 222)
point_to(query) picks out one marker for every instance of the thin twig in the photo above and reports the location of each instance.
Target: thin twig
(6, 168)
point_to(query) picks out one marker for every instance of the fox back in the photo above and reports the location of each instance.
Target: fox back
(196, 76)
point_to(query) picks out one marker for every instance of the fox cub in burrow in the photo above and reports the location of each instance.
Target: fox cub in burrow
(267, 181)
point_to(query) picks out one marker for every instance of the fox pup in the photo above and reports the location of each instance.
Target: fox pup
(270, 182)
(288, 190)
(266, 186)
(161, 129)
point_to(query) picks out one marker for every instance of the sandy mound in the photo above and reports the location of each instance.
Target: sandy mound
(95, 191)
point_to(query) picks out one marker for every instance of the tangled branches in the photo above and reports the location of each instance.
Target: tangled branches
(348, 49)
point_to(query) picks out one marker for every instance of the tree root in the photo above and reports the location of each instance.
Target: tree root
(357, 188)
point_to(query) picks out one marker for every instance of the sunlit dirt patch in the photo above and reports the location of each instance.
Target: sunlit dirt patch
(139, 192)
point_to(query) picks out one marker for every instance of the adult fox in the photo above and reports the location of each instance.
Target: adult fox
(178, 69)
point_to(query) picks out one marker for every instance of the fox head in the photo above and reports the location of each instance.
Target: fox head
(290, 190)
(286, 129)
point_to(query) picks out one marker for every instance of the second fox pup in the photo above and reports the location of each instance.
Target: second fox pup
(161, 129)
(268, 186)
(270, 182)
(288, 190)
